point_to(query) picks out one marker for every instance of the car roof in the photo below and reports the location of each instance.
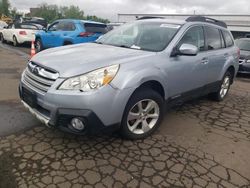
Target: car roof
(77, 21)
(180, 22)
(170, 21)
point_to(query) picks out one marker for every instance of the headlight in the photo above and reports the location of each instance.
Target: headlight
(248, 61)
(91, 80)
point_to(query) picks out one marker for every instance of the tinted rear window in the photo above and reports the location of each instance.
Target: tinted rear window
(66, 26)
(95, 28)
(213, 37)
(28, 26)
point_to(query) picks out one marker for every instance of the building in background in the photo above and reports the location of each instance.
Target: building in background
(239, 25)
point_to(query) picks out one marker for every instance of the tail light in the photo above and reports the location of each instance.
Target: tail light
(238, 51)
(85, 34)
(22, 33)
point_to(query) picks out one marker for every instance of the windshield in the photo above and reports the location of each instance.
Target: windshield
(150, 36)
(243, 44)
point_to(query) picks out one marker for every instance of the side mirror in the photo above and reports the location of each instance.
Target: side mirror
(188, 49)
(44, 29)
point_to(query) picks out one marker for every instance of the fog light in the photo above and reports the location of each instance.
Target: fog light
(77, 124)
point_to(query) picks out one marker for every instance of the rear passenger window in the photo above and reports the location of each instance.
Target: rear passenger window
(194, 36)
(66, 26)
(213, 37)
(95, 28)
(228, 39)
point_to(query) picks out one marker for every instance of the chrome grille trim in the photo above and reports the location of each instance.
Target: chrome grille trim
(42, 72)
(36, 84)
(36, 78)
(33, 88)
(242, 61)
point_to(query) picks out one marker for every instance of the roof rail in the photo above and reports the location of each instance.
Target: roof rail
(207, 20)
(148, 17)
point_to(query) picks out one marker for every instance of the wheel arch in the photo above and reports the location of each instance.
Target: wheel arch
(67, 42)
(150, 77)
(154, 85)
(231, 69)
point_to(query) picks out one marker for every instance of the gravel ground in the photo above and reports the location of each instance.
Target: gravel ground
(199, 144)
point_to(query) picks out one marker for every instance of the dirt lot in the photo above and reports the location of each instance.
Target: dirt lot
(199, 144)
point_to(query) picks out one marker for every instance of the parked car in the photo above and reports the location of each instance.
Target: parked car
(244, 45)
(19, 33)
(2, 25)
(126, 78)
(35, 20)
(67, 31)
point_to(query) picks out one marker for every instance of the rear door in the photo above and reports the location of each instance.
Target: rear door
(94, 31)
(216, 53)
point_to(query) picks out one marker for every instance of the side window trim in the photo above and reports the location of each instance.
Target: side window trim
(208, 26)
(52, 25)
(231, 38)
(223, 41)
(197, 25)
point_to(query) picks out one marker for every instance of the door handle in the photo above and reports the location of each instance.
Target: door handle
(204, 61)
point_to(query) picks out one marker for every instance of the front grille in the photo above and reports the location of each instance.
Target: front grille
(34, 77)
(241, 61)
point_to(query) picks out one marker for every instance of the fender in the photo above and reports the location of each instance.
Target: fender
(132, 79)
(232, 61)
(67, 39)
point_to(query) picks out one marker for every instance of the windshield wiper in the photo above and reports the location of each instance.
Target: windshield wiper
(123, 46)
(97, 42)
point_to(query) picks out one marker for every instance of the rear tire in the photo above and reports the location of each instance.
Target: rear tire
(143, 114)
(2, 38)
(15, 42)
(224, 87)
(38, 45)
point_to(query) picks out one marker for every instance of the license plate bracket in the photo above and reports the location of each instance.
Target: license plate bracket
(29, 97)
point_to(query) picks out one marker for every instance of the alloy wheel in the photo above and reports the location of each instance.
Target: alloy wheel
(143, 116)
(14, 41)
(38, 46)
(225, 86)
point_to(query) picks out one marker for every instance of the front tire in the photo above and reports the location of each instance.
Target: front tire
(2, 38)
(224, 88)
(142, 115)
(38, 45)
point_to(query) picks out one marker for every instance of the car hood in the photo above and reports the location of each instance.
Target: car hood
(78, 59)
(244, 54)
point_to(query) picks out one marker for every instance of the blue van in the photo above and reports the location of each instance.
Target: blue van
(69, 31)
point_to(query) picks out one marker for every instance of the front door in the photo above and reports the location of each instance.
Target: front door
(188, 73)
(52, 36)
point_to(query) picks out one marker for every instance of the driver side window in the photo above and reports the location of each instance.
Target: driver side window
(194, 36)
(9, 26)
(54, 27)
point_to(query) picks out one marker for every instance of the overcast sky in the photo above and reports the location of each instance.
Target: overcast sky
(110, 8)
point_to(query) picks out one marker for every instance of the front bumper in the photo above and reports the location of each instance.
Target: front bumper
(101, 110)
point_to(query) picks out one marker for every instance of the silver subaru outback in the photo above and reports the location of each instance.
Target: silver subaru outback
(125, 79)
